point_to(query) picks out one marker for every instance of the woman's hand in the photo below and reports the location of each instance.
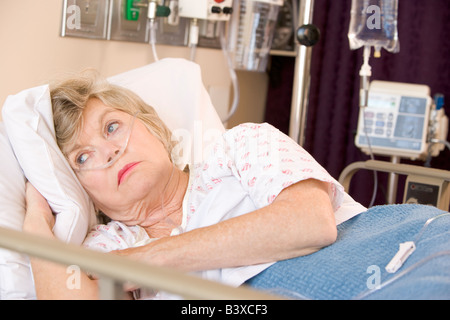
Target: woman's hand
(39, 218)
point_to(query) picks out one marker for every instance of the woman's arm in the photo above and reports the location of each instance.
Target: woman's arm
(51, 279)
(299, 222)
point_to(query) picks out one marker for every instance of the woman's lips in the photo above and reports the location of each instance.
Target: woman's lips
(125, 170)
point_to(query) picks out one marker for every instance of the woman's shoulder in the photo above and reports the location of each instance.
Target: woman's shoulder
(253, 131)
(251, 127)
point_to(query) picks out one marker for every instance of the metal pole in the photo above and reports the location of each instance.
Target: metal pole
(393, 182)
(302, 77)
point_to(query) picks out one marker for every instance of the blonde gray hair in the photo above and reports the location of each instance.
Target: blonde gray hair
(70, 97)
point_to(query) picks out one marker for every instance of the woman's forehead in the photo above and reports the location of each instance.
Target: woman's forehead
(96, 112)
(93, 118)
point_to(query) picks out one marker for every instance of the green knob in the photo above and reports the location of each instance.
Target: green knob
(162, 11)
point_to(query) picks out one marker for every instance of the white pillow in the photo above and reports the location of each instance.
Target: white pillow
(172, 86)
(15, 273)
(29, 123)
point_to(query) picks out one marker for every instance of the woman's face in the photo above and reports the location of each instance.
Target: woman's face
(131, 188)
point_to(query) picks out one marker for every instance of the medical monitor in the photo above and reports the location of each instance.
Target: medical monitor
(395, 120)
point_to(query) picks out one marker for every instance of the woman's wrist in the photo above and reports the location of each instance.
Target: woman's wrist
(38, 224)
(149, 253)
(39, 218)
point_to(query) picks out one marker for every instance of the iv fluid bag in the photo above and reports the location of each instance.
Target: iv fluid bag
(251, 31)
(374, 23)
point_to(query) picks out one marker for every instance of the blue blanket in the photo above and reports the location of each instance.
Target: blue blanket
(354, 266)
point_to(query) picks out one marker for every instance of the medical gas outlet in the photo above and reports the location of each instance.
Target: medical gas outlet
(212, 10)
(132, 9)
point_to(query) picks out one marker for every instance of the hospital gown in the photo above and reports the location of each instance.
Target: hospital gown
(245, 170)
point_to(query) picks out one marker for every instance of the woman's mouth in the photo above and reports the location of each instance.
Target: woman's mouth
(125, 171)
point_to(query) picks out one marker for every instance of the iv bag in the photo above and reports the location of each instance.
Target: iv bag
(251, 31)
(374, 24)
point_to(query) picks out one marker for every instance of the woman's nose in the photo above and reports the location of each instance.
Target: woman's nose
(111, 157)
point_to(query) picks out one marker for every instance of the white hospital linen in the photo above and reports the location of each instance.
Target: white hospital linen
(115, 236)
(246, 169)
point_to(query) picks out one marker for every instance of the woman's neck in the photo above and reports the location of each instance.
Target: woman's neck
(171, 210)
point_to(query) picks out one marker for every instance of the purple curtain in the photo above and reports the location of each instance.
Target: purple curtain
(424, 58)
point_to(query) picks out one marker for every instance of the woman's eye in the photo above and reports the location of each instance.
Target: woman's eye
(110, 128)
(82, 158)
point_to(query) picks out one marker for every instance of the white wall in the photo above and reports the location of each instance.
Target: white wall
(32, 52)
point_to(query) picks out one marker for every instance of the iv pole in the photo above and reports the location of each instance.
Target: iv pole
(307, 35)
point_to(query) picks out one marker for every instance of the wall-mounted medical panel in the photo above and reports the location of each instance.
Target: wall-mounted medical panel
(126, 20)
(85, 18)
(132, 29)
(172, 31)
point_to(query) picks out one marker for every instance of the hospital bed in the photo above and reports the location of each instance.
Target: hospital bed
(353, 267)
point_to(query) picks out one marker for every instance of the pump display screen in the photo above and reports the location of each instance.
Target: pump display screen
(394, 122)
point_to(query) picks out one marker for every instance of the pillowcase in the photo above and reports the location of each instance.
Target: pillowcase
(29, 123)
(15, 274)
(174, 87)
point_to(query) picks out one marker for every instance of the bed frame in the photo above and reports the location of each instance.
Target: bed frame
(113, 270)
(433, 177)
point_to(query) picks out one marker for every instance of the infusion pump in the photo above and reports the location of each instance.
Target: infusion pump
(400, 120)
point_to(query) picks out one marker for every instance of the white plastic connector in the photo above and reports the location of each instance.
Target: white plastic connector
(365, 74)
(152, 7)
(193, 33)
(366, 69)
(406, 249)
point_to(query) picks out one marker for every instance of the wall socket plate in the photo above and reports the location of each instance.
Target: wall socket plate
(86, 18)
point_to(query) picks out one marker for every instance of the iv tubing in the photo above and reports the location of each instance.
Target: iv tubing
(372, 157)
(429, 221)
(233, 76)
(366, 73)
(416, 265)
(193, 38)
(401, 274)
(153, 39)
(397, 276)
(446, 143)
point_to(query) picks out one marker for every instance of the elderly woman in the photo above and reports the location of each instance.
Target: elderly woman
(256, 199)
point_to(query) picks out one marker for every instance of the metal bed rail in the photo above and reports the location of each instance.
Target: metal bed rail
(114, 270)
(436, 177)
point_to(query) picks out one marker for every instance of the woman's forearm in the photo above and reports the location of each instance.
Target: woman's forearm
(52, 281)
(56, 282)
(299, 222)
